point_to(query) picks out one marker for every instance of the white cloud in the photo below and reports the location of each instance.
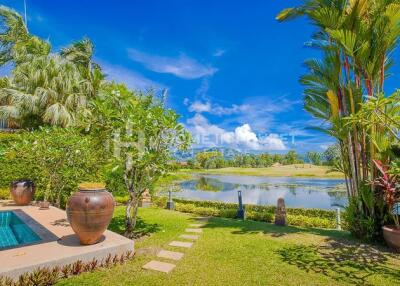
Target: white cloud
(182, 66)
(243, 137)
(204, 87)
(200, 107)
(216, 109)
(272, 142)
(246, 137)
(132, 79)
(219, 52)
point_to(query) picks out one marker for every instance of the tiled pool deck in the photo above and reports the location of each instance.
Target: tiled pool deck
(58, 245)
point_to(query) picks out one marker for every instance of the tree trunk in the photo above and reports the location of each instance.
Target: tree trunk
(130, 214)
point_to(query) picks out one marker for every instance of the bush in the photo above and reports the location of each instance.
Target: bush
(56, 159)
(13, 168)
(260, 216)
(295, 216)
(306, 221)
(5, 194)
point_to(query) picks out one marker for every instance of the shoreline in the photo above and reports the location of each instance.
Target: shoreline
(291, 171)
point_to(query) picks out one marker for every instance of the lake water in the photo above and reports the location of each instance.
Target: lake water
(297, 192)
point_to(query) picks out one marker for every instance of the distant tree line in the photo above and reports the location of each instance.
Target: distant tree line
(216, 160)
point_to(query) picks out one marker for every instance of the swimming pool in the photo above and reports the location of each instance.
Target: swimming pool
(14, 232)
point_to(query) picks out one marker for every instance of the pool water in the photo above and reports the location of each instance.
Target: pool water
(13, 232)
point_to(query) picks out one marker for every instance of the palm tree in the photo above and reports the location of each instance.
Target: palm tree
(356, 38)
(16, 44)
(45, 90)
(81, 54)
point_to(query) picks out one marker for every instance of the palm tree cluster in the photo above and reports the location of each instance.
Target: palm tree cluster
(45, 88)
(345, 87)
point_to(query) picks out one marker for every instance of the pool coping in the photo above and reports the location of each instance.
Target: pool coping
(58, 245)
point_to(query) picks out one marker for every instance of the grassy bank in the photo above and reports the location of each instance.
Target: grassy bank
(233, 252)
(295, 216)
(297, 170)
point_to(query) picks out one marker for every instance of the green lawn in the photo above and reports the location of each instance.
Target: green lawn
(297, 170)
(233, 252)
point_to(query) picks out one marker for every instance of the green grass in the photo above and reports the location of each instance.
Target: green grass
(233, 252)
(297, 170)
(174, 178)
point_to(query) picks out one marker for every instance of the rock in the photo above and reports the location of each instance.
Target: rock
(280, 213)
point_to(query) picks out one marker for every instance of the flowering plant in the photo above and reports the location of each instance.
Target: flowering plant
(391, 190)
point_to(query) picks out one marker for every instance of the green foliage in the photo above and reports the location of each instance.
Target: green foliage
(291, 158)
(44, 88)
(56, 159)
(332, 155)
(45, 276)
(345, 89)
(4, 194)
(367, 224)
(314, 158)
(210, 160)
(215, 160)
(142, 133)
(295, 216)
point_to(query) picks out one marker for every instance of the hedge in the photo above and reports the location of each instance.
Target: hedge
(295, 216)
(5, 194)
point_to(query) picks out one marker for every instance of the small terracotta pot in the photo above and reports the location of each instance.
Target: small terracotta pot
(391, 234)
(22, 192)
(89, 213)
(44, 205)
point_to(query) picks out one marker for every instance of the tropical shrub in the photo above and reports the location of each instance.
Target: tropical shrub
(56, 159)
(4, 194)
(44, 88)
(345, 89)
(142, 133)
(47, 276)
(389, 185)
(295, 216)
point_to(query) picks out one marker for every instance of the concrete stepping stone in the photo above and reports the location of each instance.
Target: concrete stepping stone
(181, 244)
(195, 230)
(196, 224)
(170, 254)
(189, 236)
(202, 218)
(159, 266)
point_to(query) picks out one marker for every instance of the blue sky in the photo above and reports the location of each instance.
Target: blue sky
(231, 69)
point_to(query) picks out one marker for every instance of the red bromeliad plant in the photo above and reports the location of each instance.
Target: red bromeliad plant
(391, 192)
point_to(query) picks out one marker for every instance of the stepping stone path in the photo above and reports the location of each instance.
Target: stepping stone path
(170, 254)
(195, 230)
(159, 266)
(196, 224)
(189, 236)
(173, 255)
(181, 244)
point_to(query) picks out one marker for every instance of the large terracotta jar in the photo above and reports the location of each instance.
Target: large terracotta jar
(22, 192)
(391, 234)
(90, 211)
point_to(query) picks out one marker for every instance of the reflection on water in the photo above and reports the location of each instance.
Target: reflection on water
(298, 192)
